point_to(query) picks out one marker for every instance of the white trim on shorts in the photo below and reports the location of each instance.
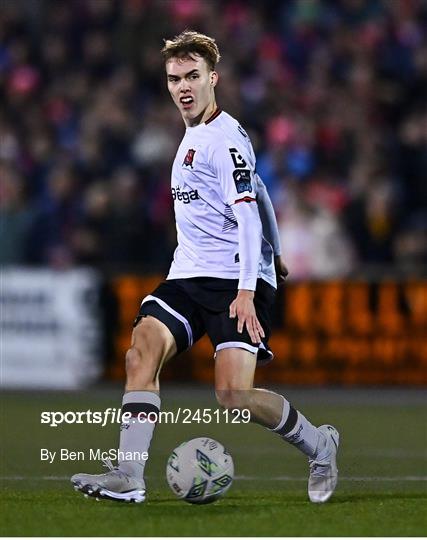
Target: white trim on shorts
(251, 348)
(170, 310)
(237, 345)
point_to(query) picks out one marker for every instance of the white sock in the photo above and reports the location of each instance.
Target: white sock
(135, 436)
(298, 431)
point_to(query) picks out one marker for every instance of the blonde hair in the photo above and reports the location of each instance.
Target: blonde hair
(190, 42)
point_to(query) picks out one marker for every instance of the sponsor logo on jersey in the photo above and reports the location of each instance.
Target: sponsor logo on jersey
(237, 158)
(185, 196)
(241, 175)
(189, 158)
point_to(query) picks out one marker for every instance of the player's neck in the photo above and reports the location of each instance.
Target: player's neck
(203, 116)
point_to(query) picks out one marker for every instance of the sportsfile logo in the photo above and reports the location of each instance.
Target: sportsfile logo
(116, 416)
(185, 196)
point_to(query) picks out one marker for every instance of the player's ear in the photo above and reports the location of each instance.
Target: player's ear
(214, 78)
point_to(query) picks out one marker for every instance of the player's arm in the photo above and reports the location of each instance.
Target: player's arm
(270, 228)
(250, 235)
(236, 181)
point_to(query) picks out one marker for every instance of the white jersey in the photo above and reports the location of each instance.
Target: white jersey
(213, 170)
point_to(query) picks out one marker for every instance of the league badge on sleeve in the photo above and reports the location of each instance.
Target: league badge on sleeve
(242, 179)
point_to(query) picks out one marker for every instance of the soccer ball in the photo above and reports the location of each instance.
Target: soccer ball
(200, 471)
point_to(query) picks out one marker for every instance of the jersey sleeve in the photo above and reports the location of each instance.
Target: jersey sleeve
(234, 172)
(250, 235)
(268, 216)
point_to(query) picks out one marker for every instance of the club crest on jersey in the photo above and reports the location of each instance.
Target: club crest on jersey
(188, 160)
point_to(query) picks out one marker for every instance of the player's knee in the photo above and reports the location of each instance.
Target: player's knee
(141, 371)
(134, 362)
(232, 399)
(139, 360)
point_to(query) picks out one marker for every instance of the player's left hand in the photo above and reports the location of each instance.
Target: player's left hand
(281, 270)
(243, 307)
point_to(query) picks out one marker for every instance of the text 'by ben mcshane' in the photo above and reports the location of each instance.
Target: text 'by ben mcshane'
(96, 454)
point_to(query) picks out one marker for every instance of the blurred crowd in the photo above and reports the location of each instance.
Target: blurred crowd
(332, 94)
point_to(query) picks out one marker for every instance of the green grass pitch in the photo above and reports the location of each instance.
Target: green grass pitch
(383, 470)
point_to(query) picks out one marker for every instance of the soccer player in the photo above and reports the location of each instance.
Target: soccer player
(222, 282)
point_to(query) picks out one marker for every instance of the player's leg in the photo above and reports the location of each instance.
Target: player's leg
(152, 344)
(165, 326)
(234, 374)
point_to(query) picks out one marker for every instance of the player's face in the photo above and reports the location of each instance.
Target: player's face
(191, 85)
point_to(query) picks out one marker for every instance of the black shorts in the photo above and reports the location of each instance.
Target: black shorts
(194, 306)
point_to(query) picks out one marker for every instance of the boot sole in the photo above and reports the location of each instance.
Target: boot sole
(98, 493)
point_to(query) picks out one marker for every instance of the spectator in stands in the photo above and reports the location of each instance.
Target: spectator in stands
(329, 92)
(16, 217)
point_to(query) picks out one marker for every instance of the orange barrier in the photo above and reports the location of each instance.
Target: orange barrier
(335, 332)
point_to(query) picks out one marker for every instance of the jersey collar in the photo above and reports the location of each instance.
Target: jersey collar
(211, 118)
(214, 115)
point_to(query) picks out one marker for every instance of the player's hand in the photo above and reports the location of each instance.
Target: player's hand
(243, 307)
(281, 270)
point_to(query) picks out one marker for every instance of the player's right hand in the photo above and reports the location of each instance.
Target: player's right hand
(243, 307)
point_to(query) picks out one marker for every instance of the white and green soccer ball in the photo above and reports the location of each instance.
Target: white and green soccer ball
(200, 471)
